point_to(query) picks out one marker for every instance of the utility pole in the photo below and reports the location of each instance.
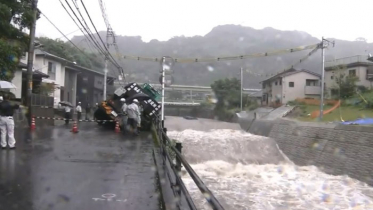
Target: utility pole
(163, 81)
(106, 60)
(241, 71)
(324, 44)
(105, 78)
(322, 79)
(30, 59)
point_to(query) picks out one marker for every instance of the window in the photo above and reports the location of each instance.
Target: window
(352, 72)
(276, 83)
(311, 82)
(291, 84)
(331, 77)
(52, 70)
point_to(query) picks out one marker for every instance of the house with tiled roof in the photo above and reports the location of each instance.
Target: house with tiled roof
(290, 85)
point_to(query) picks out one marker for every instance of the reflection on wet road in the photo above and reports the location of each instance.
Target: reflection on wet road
(94, 169)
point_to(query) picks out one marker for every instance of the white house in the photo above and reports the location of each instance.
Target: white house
(290, 85)
(73, 82)
(357, 65)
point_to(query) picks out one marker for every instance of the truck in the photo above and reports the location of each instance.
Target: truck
(109, 111)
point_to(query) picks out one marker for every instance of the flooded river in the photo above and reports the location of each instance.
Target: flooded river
(246, 171)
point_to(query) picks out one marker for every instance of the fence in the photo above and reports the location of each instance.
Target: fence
(172, 171)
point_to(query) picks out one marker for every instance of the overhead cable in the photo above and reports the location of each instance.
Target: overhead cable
(225, 58)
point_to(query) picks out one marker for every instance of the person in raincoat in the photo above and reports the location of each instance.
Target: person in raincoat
(134, 116)
(124, 111)
(79, 110)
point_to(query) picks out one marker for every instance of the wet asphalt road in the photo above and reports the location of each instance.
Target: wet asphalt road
(94, 169)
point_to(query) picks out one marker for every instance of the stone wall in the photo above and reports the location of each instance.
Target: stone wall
(335, 149)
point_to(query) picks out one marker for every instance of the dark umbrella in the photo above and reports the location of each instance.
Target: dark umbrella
(66, 103)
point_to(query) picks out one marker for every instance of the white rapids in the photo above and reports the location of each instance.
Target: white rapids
(246, 171)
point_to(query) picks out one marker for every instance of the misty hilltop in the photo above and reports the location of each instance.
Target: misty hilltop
(226, 40)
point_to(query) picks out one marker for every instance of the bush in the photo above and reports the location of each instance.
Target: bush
(362, 89)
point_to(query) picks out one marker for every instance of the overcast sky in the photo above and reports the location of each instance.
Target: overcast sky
(163, 19)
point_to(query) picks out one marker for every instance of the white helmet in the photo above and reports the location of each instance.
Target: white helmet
(1, 98)
(123, 100)
(135, 101)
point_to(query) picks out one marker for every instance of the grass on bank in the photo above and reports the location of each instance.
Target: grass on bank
(346, 113)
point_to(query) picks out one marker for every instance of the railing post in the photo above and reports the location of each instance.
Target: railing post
(179, 147)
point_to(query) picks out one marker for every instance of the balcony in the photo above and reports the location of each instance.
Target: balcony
(312, 90)
(347, 60)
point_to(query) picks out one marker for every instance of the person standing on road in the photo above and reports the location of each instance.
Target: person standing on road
(79, 110)
(67, 114)
(124, 111)
(87, 111)
(7, 123)
(134, 116)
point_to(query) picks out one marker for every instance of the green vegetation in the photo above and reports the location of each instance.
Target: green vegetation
(67, 51)
(346, 113)
(15, 16)
(227, 92)
(360, 105)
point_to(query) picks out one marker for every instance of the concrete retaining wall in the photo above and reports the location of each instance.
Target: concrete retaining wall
(336, 149)
(194, 111)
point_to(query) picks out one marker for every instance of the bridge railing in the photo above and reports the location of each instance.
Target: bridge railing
(170, 152)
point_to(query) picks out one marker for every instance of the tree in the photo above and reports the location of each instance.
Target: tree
(15, 16)
(228, 94)
(67, 51)
(346, 85)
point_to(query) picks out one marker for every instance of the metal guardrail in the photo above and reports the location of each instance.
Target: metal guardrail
(165, 143)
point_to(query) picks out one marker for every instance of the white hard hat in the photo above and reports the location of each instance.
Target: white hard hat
(122, 99)
(135, 101)
(1, 98)
(79, 102)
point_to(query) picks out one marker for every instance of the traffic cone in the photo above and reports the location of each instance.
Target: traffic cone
(75, 127)
(117, 128)
(33, 125)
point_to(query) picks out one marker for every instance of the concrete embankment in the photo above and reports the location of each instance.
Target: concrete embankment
(336, 149)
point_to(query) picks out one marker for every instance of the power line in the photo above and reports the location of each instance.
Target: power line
(98, 50)
(61, 32)
(70, 33)
(86, 27)
(64, 35)
(92, 39)
(118, 66)
(89, 39)
(226, 58)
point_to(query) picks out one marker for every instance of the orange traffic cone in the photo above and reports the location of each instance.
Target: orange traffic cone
(33, 125)
(117, 128)
(75, 127)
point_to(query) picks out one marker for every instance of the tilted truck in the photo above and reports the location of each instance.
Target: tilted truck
(110, 110)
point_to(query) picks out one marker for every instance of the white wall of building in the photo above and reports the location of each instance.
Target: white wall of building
(299, 79)
(41, 64)
(276, 90)
(17, 81)
(361, 72)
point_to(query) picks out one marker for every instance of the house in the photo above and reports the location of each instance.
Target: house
(90, 85)
(357, 65)
(74, 83)
(290, 85)
(63, 74)
(20, 79)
